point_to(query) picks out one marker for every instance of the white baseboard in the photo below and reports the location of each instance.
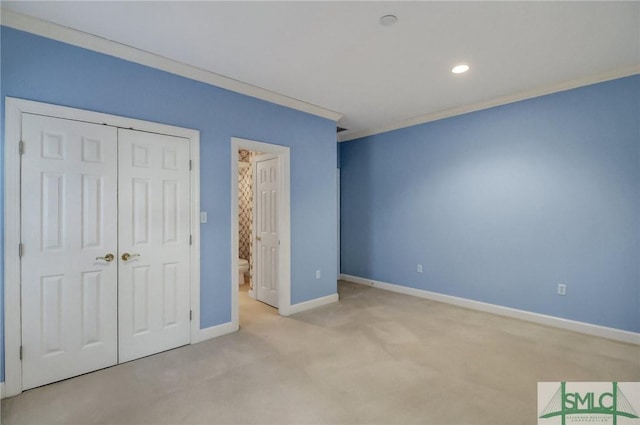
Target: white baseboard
(307, 305)
(557, 322)
(229, 327)
(214, 331)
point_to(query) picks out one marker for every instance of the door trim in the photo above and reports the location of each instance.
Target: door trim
(284, 224)
(14, 108)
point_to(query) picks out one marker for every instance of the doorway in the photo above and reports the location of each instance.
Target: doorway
(274, 242)
(103, 219)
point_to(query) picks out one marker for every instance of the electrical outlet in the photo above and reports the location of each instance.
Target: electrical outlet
(203, 216)
(562, 289)
(419, 268)
(317, 274)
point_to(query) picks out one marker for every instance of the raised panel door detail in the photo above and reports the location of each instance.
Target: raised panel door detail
(52, 211)
(264, 218)
(51, 313)
(169, 159)
(91, 306)
(263, 176)
(169, 294)
(273, 269)
(269, 269)
(170, 211)
(140, 202)
(140, 299)
(91, 150)
(52, 145)
(272, 175)
(140, 156)
(263, 270)
(273, 213)
(91, 211)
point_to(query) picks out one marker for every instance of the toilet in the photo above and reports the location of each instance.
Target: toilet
(243, 267)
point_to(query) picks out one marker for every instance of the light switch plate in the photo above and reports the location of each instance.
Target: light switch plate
(203, 216)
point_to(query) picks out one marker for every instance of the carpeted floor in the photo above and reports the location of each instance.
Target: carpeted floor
(375, 357)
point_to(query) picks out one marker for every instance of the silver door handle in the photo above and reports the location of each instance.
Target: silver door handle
(126, 256)
(258, 238)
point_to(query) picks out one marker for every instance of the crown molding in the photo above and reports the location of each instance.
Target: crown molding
(92, 42)
(503, 100)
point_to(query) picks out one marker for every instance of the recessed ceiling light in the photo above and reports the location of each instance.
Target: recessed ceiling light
(388, 20)
(459, 69)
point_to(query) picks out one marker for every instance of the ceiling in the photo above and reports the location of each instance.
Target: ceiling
(336, 55)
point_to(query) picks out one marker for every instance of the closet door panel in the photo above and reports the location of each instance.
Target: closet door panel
(69, 226)
(154, 243)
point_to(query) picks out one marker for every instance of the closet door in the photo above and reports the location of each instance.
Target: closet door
(69, 237)
(153, 199)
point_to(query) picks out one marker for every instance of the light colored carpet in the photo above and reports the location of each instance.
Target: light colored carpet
(373, 358)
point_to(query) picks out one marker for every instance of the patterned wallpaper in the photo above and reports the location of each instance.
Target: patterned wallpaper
(245, 207)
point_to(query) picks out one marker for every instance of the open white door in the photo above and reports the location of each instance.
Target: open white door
(267, 251)
(69, 236)
(153, 201)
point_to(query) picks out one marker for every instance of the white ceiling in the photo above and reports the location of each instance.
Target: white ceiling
(336, 55)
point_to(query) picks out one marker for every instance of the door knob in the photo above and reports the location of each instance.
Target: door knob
(258, 238)
(126, 256)
(108, 258)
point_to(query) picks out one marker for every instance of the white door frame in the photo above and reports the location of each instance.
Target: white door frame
(338, 221)
(14, 108)
(284, 224)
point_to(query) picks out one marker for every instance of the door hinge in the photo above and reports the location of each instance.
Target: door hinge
(190, 165)
(21, 352)
(190, 239)
(20, 147)
(190, 315)
(20, 250)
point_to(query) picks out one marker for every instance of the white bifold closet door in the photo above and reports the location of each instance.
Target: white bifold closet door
(153, 202)
(70, 239)
(105, 235)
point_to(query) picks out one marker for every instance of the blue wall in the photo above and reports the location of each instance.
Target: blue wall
(44, 70)
(504, 204)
